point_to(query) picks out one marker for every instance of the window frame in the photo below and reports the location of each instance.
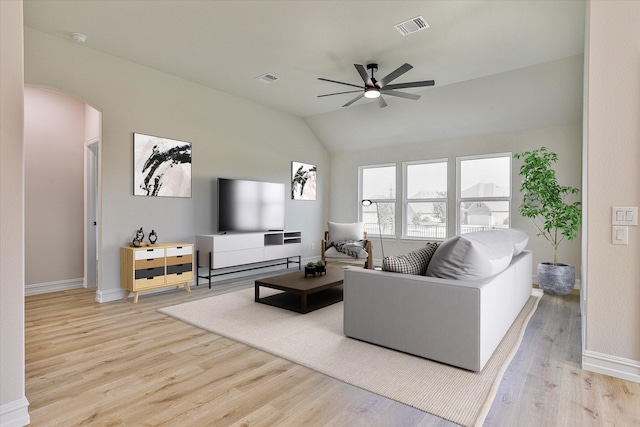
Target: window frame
(460, 200)
(393, 201)
(406, 200)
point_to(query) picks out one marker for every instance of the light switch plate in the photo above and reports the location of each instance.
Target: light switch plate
(624, 215)
(620, 235)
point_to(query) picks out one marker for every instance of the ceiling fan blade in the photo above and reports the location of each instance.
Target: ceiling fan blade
(412, 96)
(341, 83)
(411, 84)
(395, 74)
(363, 73)
(339, 93)
(381, 102)
(354, 100)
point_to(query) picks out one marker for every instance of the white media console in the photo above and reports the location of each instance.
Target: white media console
(218, 251)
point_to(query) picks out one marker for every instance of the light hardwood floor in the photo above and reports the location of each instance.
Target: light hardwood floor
(125, 364)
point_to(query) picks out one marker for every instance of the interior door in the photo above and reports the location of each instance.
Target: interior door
(91, 226)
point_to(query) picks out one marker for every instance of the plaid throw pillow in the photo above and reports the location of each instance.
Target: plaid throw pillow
(415, 262)
(423, 256)
(400, 264)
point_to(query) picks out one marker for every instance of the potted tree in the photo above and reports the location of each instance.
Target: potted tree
(555, 218)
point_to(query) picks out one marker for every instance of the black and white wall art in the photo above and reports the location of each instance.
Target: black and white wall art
(303, 181)
(161, 167)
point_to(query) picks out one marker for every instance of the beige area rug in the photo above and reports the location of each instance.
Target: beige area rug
(316, 340)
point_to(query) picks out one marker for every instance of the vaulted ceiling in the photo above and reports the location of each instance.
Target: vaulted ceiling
(499, 66)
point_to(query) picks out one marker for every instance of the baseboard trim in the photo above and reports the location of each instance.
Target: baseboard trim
(574, 291)
(47, 287)
(109, 295)
(576, 286)
(15, 414)
(118, 294)
(612, 366)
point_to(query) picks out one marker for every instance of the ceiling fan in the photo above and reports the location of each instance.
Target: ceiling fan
(374, 89)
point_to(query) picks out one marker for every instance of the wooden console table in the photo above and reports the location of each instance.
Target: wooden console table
(154, 267)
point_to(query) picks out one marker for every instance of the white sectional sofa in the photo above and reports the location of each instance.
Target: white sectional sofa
(459, 322)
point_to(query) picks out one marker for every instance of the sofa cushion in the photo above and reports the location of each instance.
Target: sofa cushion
(472, 255)
(415, 262)
(520, 238)
(342, 232)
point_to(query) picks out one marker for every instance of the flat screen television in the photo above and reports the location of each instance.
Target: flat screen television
(250, 205)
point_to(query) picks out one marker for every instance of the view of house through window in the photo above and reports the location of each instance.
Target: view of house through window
(484, 192)
(378, 184)
(483, 196)
(425, 202)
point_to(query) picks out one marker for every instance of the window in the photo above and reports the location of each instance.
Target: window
(378, 184)
(484, 192)
(425, 201)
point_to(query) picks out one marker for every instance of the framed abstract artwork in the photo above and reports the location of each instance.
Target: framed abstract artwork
(303, 181)
(161, 167)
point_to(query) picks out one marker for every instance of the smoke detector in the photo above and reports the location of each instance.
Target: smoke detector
(267, 78)
(411, 26)
(78, 38)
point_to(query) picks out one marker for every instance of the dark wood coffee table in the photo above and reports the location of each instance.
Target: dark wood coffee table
(302, 294)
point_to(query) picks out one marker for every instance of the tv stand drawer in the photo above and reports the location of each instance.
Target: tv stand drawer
(237, 242)
(233, 258)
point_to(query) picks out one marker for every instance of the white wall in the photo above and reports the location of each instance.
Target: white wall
(54, 190)
(13, 403)
(613, 179)
(231, 137)
(564, 140)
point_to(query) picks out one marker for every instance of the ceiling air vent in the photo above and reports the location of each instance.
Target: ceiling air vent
(411, 26)
(267, 78)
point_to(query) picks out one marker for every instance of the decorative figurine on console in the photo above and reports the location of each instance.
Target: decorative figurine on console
(138, 240)
(153, 237)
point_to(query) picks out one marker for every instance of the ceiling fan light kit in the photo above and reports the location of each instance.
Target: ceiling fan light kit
(374, 89)
(371, 92)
